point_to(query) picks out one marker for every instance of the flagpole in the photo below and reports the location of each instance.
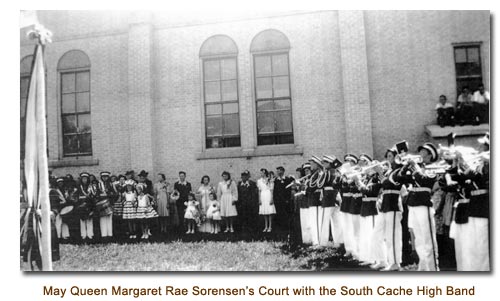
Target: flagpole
(43, 165)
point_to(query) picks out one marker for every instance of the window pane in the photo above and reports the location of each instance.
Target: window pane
(214, 142)
(212, 91)
(23, 107)
(262, 66)
(265, 105)
(69, 124)
(460, 56)
(214, 125)
(232, 141)
(473, 55)
(283, 121)
(231, 124)
(25, 81)
(229, 90)
(83, 102)
(211, 70)
(84, 123)
(281, 87)
(474, 69)
(83, 81)
(68, 103)
(213, 109)
(68, 82)
(462, 69)
(280, 64)
(282, 104)
(264, 86)
(284, 139)
(228, 68)
(85, 143)
(266, 140)
(230, 108)
(265, 122)
(70, 144)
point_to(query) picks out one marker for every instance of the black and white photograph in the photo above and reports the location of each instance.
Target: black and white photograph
(292, 140)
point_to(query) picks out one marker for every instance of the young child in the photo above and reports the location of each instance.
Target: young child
(445, 112)
(130, 208)
(213, 213)
(192, 215)
(145, 210)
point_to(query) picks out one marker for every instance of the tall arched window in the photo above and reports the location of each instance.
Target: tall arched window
(74, 76)
(220, 92)
(270, 50)
(26, 63)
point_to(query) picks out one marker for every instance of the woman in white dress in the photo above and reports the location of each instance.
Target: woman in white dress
(203, 193)
(227, 193)
(266, 205)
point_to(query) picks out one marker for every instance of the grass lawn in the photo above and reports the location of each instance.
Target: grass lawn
(195, 253)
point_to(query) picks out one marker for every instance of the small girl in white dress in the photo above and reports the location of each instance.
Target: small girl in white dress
(213, 213)
(266, 204)
(192, 214)
(145, 210)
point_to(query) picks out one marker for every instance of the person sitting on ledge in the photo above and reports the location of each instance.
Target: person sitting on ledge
(466, 109)
(481, 100)
(445, 112)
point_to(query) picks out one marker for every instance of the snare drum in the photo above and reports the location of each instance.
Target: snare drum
(103, 207)
(66, 214)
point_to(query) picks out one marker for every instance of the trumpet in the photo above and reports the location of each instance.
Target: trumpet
(476, 160)
(437, 168)
(404, 158)
(450, 153)
(369, 169)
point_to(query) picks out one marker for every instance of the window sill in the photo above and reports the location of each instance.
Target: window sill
(435, 131)
(260, 151)
(73, 162)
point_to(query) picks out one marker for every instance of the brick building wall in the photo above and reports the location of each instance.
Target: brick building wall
(360, 81)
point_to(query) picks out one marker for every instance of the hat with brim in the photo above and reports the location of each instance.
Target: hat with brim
(60, 179)
(306, 165)
(84, 175)
(329, 159)
(143, 173)
(352, 158)
(105, 174)
(365, 157)
(485, 139)
(431, 148)
(245, 173)
(316, 160)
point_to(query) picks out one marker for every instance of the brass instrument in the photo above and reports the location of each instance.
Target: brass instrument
(404, 158)
(369, 169)
(437, 168)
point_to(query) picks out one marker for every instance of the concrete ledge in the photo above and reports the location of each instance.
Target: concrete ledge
(435, 131)
(73, 162)
(260, 151)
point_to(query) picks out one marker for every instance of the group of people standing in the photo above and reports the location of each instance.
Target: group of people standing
(403, 211)
(382, 213)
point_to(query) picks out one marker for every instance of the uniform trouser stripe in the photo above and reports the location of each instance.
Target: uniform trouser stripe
(432, 239)
(394, 236)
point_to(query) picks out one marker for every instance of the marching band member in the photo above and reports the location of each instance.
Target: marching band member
(345, 206)
(305, 225)
(313, 193)
(85, 208)
(421, 213)
(329, 203)
(61, 227)
(370, 188)
(476, 256)
(390, 220)
(106, 212)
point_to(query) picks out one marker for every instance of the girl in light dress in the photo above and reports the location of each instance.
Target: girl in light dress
(161, 197)
(130, 207)
(227, 193)
(203, 193)
(192, 214)
(266, 204)
(145, 210)
(213, 213)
